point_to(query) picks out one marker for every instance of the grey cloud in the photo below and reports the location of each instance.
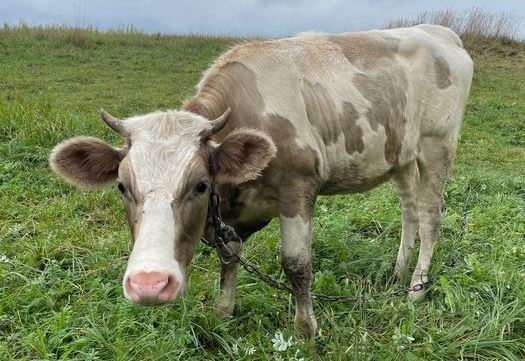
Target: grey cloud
(234, 17)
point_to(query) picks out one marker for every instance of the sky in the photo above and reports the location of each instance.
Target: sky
(269, 18)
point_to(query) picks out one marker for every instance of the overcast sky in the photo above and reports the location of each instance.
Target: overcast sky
(237, 17)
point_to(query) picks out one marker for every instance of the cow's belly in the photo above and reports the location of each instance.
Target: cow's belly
(353, 179)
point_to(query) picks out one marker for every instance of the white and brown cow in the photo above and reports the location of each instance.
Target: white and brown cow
(312, 114)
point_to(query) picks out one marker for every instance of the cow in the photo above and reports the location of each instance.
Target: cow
(274, 124)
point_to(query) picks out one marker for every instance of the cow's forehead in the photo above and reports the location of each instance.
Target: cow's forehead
(164, 145)
(166, 126)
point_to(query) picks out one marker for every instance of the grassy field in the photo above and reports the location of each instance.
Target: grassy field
(63, 252)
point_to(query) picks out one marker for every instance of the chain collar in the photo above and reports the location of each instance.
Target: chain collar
(223, 234)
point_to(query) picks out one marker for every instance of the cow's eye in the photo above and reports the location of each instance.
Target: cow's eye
(121, 188)
(201, 188)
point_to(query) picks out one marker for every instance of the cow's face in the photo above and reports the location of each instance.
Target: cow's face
(163, 175)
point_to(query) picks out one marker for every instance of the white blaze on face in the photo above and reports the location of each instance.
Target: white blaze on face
(154, 248)
(163, 147)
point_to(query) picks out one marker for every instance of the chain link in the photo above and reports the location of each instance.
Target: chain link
(250, 268)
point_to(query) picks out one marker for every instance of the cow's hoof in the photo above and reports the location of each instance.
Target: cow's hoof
(225, 309)
(416, 296)
(306, 327)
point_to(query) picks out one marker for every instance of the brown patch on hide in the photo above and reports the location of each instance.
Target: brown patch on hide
(237, 86)
(442, 70)
(386, 92)
(132, 200)
(233, 86)
(322, 114)
(366, 49)
(191, 215)
(295, 170)
(195, 105)
(190, 207)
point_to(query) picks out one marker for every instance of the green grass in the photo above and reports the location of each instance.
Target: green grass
(63, 252)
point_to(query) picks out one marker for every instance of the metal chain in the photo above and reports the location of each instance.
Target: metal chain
(271, 281)
(250, 268)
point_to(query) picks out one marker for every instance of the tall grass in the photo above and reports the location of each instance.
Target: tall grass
(480, 30)
(86, 37)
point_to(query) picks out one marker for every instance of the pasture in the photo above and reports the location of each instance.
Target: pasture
(63, 252)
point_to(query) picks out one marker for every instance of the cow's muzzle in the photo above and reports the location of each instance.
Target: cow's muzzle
(151, 288)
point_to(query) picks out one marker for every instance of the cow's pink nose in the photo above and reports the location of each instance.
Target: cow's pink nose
(152, 288)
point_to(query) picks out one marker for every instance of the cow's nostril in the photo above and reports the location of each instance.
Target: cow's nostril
(149, 282)
(152, 288)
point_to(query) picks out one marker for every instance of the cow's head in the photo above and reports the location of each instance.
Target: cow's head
(163, 175)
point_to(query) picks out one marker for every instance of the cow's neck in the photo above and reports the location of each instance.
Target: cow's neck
(209, 104)
(247, 207)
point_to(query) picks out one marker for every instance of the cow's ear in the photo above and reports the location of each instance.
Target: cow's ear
(242, 156)
(86, 162)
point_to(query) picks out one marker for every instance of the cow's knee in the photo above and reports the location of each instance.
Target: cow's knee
(298, 270)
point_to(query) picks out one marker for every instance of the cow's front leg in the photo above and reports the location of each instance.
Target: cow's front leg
(226, 299)
(296, 234)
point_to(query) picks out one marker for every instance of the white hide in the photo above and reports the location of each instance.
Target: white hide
(295, 235)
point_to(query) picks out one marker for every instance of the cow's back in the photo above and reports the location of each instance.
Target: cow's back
(351, 107)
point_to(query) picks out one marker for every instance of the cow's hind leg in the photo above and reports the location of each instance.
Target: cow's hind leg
(406, 181)
(434, 164)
